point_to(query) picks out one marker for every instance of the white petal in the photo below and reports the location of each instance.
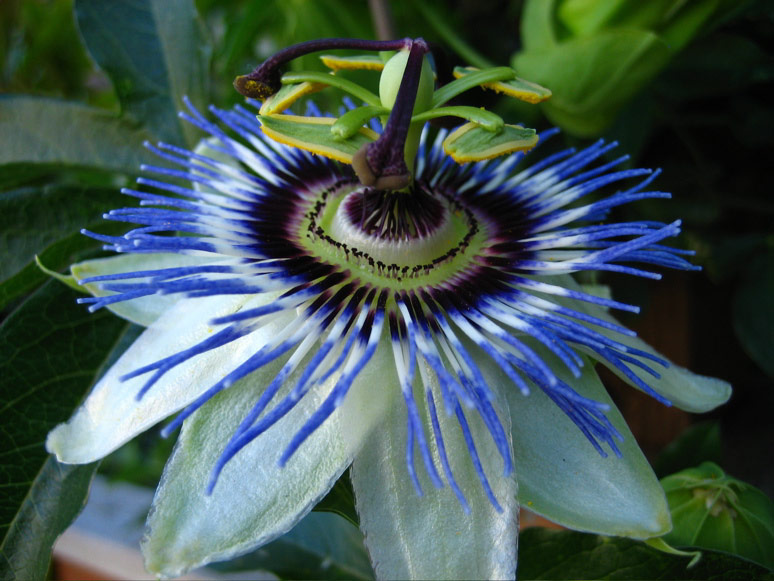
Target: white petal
(686, 390)
(111, 415)
(254, 500)
(145, 310)
(431, 537)
(564, 478)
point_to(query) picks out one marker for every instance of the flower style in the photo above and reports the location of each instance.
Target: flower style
(407, 315)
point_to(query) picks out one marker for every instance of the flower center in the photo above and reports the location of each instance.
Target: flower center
(392, 236)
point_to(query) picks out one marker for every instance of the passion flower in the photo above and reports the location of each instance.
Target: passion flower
(322, 292)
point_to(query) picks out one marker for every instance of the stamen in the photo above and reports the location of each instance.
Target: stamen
(265, 80)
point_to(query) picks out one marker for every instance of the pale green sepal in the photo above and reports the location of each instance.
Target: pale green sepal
(486, 119)
(67, 279)
(563, 477)
(471, 142)
(314, 134)
(516, 87)
(287, 95)
(350, 123)
(686, 390)
(111, 414)
(142, 311)
(254, 500)
(431, 537)
(361, 62)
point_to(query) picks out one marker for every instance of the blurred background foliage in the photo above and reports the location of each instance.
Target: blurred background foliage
(683, 85)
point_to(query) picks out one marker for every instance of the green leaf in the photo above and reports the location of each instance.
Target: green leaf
(54, 499)
(31, 219)
(155, 52)
(711, 510)
(56, 256)
(49, 131)
(538, 26)
(321, 546)
(753, 309)
(546, 554)
(314, 134)
(471, 142)
(52, 350)
(698, 443)
(340, 500)
(592, 78)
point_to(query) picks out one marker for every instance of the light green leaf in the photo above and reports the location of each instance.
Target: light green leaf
(314, 134)
(471, 142)
(52, 348)
(564, 478)
(255, 500)
(155, 52)
(592, 78)
(711, 510)
(48, 131)
(431, 537)
(538, 25)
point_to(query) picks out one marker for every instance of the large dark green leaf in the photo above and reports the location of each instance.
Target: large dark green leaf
(154, 51)
(56, 257)
(50, 131)
(31, 219)
(57, 493)
(546, 554)
(340, 500)
(51, 351)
